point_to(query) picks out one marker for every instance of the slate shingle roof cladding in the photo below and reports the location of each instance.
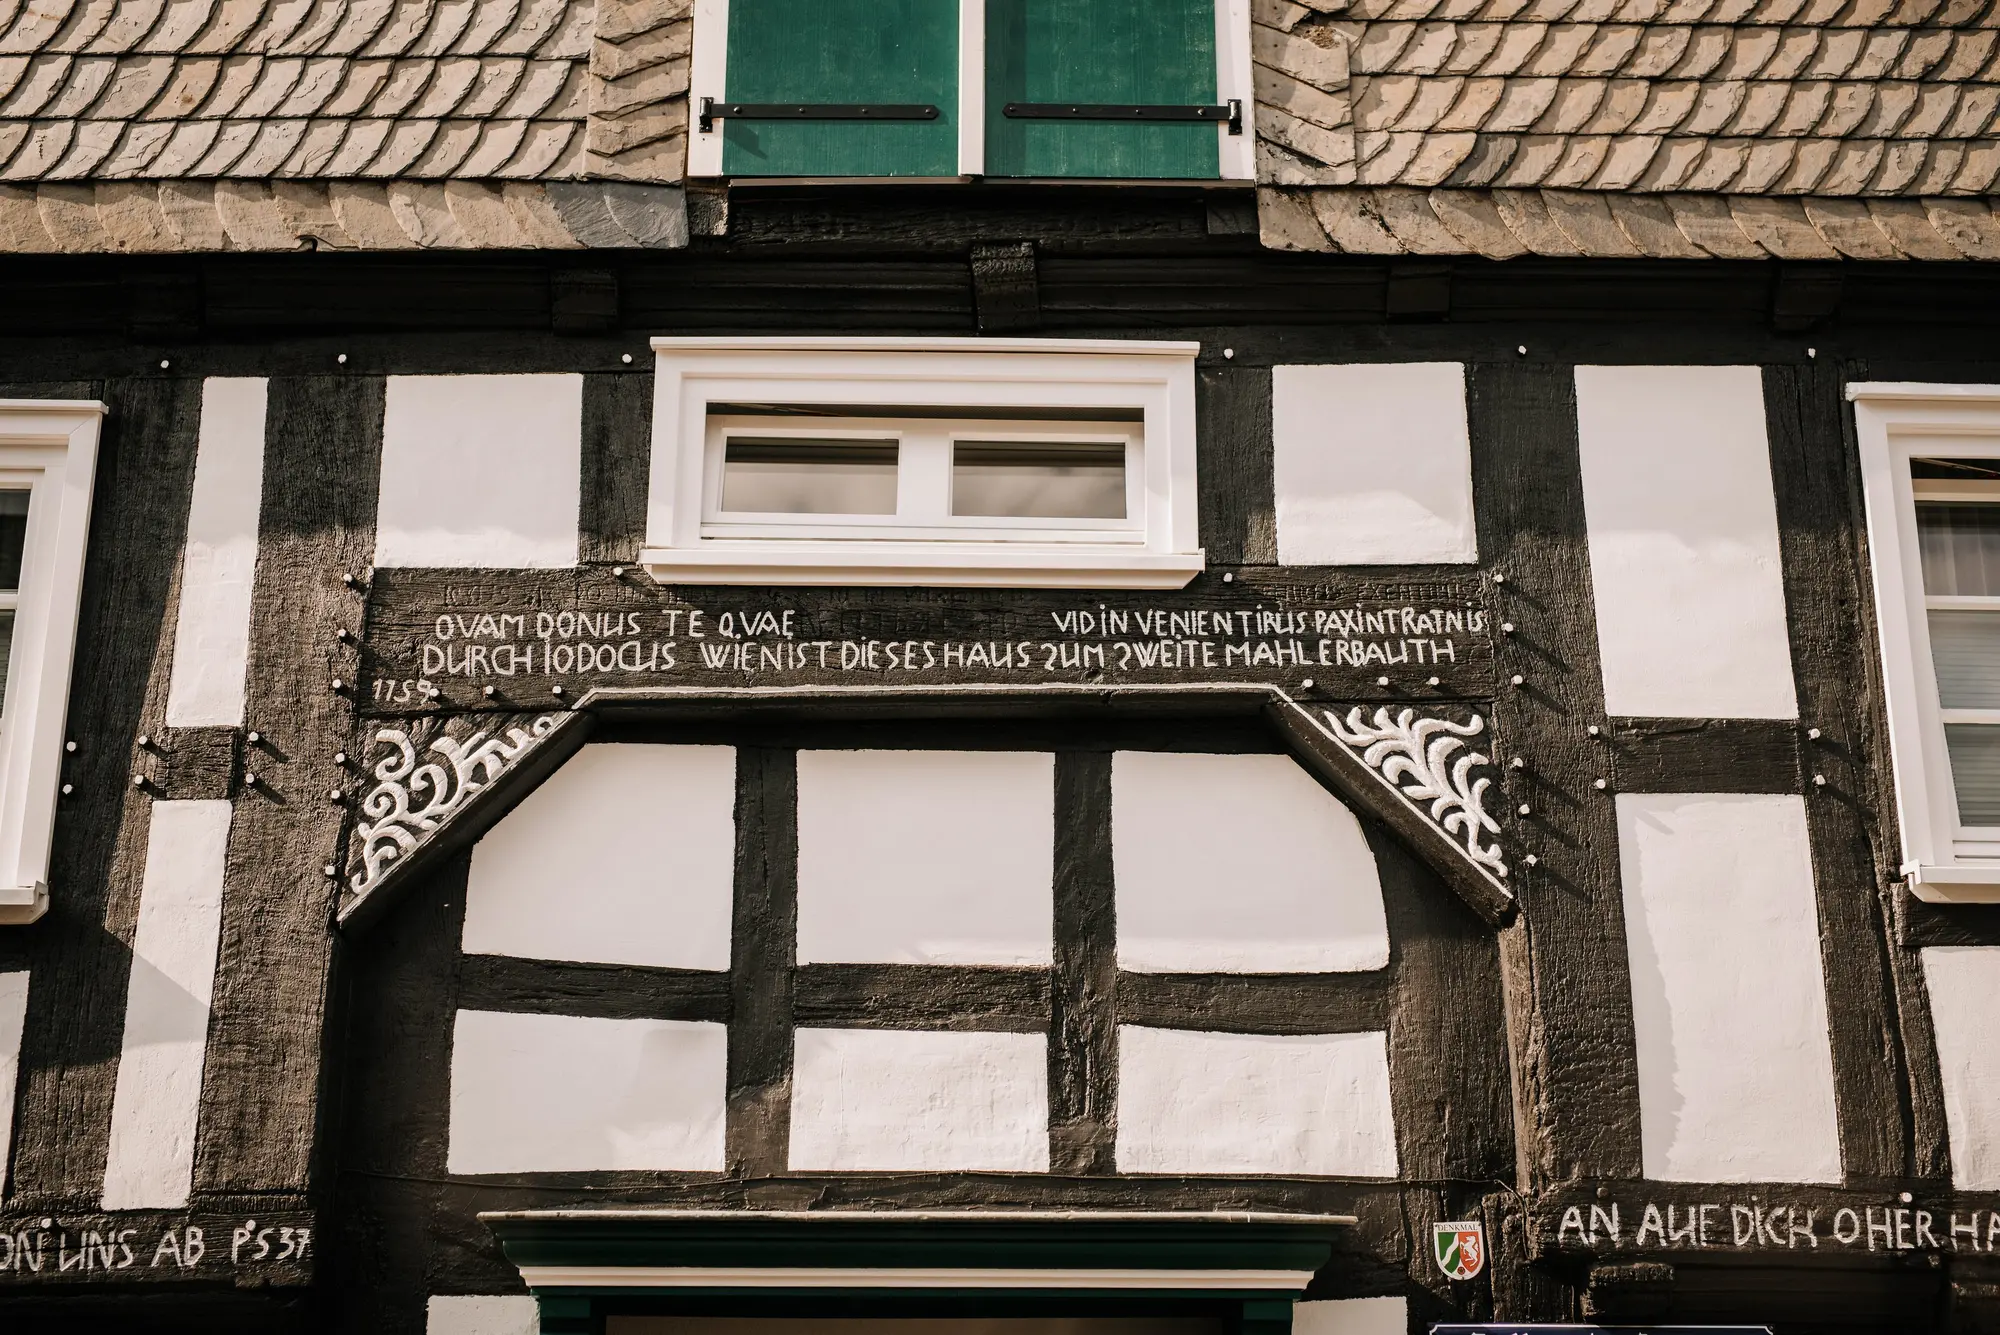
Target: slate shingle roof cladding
(1665, 128)
(190, 101)
(1783, 97)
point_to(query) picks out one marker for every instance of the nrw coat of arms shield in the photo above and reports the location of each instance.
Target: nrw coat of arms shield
(1460, 1248)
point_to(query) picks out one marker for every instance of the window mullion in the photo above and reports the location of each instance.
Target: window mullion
(923, 494)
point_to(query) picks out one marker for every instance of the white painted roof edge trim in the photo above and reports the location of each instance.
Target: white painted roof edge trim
(866, 1216)
(837, 1277)
(836, 343)
(1906, 389)
(54, 406)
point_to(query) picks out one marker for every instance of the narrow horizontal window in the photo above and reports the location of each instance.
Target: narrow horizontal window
(1025, 479)
(804, 476)
(906, 474)
(1025, 463)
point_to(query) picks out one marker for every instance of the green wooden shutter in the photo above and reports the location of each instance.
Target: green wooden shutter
(1145, 52)
(835, 51)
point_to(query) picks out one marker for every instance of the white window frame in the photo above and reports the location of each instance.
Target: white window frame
(48, 447)
(1236, 163)
(1156, 547)
(1943, 860)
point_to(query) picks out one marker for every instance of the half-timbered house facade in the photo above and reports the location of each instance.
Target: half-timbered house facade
(1068, 667)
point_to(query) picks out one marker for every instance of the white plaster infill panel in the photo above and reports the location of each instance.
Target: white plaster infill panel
(926, 857)
(1372, 464)
(1284, 1105)
(1964, 982)
(481, 471)
(48, 448)
(13, 1023)
(625, 855)
(483, 1314)
(565, 1093)
(1728, 992)
(1352, 1316)
(212, 628)
(1683, 536)
(1239, 864)
(888, 1101)
(155, 1105)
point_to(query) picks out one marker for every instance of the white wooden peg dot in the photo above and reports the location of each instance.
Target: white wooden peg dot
(1517, 679)
(1532, 860)
(1306, 685)
(626, 358)
(1433, 681)
(69, 746)
(1812, 734)
(1819, 780)
(1525, 809)
(489, 691)
(255, 737)
(1599, 784)
(1381, 681)
(335, 796)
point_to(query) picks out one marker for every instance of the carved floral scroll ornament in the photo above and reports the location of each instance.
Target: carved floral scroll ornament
(1415, 757)
(411, 800)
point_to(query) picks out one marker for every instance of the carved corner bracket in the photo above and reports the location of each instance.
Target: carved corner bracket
(1423, 763)
(440, 784)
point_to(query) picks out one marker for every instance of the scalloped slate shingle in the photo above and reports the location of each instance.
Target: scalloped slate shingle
(1823, 98)
(106, 90)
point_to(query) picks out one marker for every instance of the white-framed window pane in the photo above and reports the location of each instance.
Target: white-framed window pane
(1965, 649)
(795, 476)
(6, 652)
(1960, 547)
(13, 545)
(1975, 770)
(13, 536)
(1038, 479)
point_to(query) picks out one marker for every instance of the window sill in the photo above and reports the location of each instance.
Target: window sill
(920, 564)
(20, 905)
(1955, 883)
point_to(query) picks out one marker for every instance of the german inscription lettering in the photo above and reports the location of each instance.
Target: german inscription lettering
(119, 1249)
(444, 640)
(1763, 1224)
